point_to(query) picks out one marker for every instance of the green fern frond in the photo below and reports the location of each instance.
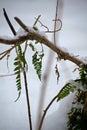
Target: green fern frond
(65, 91)
(19, 66)
(17, 71)
(19, 94)
(37, 62)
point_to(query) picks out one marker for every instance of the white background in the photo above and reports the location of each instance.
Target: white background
(73, 36)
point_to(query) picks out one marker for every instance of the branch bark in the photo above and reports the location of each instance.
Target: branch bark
(32, 35)
(45, 111)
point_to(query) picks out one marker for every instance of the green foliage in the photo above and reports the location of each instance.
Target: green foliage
(66, 90)
(74, 122)
(37, 58)
(19, 66)
(37, 62)
(75, 84)
(17, 71)
(83, 74)
(35, 28)
(77, 117)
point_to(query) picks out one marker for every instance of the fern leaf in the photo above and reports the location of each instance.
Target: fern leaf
(17, 70)
(20, 64)
(65, 91)
(37, 62)
(18, 96)
(83, 74)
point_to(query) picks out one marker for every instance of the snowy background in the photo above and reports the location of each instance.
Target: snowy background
(73, 36)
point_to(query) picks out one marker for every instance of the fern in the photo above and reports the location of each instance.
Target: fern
(17, 71)
(77, 116)
(65, 91)
(19, 63)
(37, 62)
(83, 74)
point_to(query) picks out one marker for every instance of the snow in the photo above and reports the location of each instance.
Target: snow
(78, 105)
(6, 37)
(79, 85)
(64, 49)
(21, 32)
(84, 59)
(73, 36)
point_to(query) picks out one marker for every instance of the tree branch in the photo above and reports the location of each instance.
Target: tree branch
(32, 35)
(9, 23)
(45, 111)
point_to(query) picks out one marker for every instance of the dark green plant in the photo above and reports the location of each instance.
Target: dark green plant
(77, 117)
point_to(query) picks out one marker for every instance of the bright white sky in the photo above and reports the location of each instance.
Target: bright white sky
(73, 36)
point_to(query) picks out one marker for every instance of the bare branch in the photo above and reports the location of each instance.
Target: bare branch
(44, 26)
(50, 31)
(5, 53)
(46, 110)
(7, 75)
(9, 23)
(32, 35)
(37, 19)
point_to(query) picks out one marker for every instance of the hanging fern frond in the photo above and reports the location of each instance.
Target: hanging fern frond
(17, 71)
(37, 62)
(66, 90)
(20, 65)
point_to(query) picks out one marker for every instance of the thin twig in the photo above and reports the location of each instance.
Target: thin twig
(43, 25)
(27, 94)
(45, 111)
(37, 19)
(50, 31)
(28, 100)
(5, 53)
(7, 75)
(9, 23)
